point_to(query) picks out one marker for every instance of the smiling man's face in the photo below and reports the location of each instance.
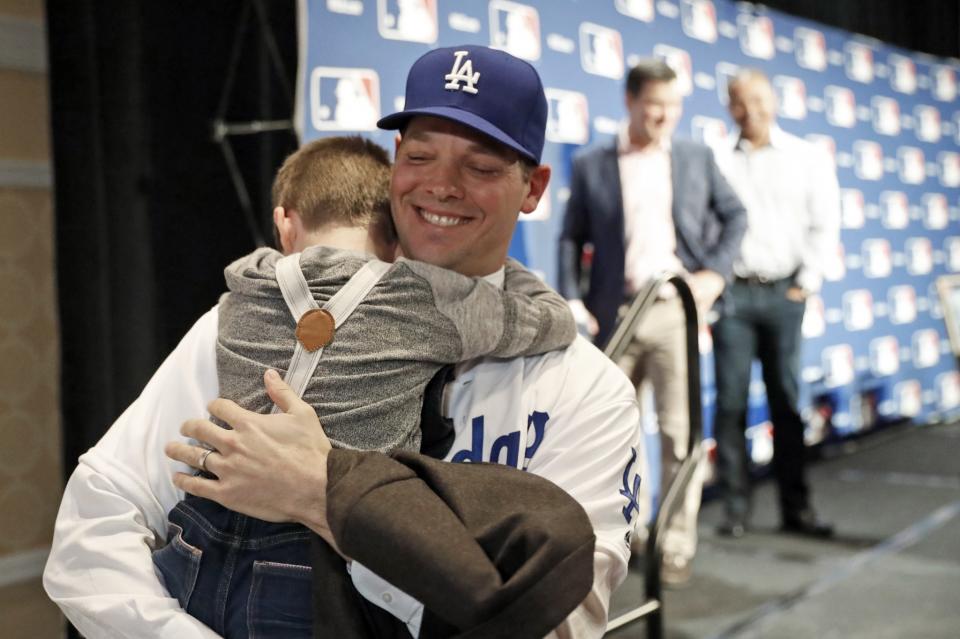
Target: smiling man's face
(753, 106)
(654, 111)
(456, 195)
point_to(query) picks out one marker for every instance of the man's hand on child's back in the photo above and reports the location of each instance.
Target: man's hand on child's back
(273, 467)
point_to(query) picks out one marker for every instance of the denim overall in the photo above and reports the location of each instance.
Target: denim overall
(241, 576)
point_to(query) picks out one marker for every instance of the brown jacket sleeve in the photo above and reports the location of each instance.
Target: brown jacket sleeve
(490, 551)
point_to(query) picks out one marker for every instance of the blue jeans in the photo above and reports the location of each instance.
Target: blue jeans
(759, 322)
(241, 576)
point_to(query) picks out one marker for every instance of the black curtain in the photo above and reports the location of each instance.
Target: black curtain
(146, 213)
(931, 26)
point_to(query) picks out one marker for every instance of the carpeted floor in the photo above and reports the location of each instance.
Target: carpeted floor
(892, 570)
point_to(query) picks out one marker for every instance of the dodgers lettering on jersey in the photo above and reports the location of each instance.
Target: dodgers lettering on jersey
(505, 449)
(570, 416)
(508, 443)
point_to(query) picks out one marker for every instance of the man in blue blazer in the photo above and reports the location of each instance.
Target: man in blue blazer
(648, 203)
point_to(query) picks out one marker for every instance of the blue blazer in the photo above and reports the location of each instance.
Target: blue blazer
(708, 217)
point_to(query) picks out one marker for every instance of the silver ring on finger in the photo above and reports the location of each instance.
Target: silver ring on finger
(203, 460)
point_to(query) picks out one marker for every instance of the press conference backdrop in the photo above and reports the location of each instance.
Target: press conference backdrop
(876, 347)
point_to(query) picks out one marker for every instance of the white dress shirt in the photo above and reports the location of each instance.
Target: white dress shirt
(790, 191)
(649, 236)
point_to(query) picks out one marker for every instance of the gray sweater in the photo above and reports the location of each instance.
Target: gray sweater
(368, 386)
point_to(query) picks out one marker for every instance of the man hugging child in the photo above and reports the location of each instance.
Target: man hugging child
(362, 359)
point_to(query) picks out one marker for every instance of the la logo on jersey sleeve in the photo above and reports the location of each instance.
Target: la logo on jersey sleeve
(631, 487)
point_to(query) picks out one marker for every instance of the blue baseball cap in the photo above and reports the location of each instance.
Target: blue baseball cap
(485, 89)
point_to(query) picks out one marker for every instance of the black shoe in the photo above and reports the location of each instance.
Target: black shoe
(731, 527)
(806, 523)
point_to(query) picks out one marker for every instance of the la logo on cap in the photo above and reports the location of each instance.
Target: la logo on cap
(462, 71)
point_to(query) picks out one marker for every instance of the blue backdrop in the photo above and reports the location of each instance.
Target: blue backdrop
(876, 346)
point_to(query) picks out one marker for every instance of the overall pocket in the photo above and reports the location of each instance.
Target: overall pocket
(178, 564)
(280, 603)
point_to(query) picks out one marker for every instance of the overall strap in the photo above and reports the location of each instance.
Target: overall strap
(304, 309)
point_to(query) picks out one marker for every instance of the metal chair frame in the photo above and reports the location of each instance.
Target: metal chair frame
(651, 608)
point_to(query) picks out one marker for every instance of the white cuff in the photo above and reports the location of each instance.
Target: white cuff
(809, 280)
(382, 593)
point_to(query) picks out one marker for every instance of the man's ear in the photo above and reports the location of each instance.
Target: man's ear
(289, 229)
(539, 178)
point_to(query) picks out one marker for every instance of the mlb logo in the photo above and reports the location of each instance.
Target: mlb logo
(515, 28)
(927, 125)
(792, 97)
(756, 35)
(886, 115)
(926, 348)
(908, 397)
(948, 388)
(876, 258)
(949, 169)
(410, 20)
(638, 9)
(944, 82)
(601, 50)
(709, 131)
(894, 209)
(837, 364)
(835, 269)
(902, 303)
(867, 160)
(913, 166)
(725, 73)
(344, 99)
(568, 119)
(851, 208)
(884, 356)
(814, 319)
(542, 212)
(952, 247)
(936, 213)
(858, 62)
(679, 61)
(699, 19)
(858, 310)
(841, 106)
(919, 255)
(903, 76)
(811, 48)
